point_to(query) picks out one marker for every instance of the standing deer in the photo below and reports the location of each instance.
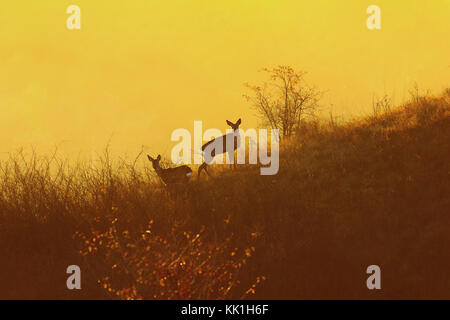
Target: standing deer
(170, 176)
(219, 146)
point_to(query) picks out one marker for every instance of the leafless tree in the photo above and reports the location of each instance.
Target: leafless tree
(284, 100)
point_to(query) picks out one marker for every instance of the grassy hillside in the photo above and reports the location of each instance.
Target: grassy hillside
(373, 191)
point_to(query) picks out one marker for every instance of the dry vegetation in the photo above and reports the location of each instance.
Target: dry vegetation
(373, 191)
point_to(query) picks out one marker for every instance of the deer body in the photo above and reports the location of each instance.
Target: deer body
(221, 145)
(169, 176)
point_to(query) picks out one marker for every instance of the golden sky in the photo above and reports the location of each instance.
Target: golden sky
(139, 69)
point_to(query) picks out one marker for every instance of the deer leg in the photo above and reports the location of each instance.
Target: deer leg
(233, 160)
(203, 166)
(200, 170)
(230, 158)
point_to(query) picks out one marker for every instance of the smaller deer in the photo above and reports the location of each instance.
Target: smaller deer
(170, 176)
(219, 146)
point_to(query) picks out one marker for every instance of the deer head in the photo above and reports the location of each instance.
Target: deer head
(234, 126)
(155, 162)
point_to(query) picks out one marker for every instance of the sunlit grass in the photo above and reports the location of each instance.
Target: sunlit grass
(372, 191)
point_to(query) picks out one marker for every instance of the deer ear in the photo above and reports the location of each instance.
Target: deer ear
(238, 122)
(149, 158)
(229, 123)
(159, 157)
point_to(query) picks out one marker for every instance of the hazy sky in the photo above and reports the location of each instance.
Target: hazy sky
(139, 69)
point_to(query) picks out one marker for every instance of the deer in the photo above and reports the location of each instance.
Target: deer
(219, 146)
(170, 176)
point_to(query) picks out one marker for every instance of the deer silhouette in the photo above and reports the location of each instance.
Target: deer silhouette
(169, 176)
(219, 146)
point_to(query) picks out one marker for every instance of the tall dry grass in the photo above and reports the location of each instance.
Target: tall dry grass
(372, 191)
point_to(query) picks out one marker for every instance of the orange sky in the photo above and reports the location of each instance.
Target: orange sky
(139, 69)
